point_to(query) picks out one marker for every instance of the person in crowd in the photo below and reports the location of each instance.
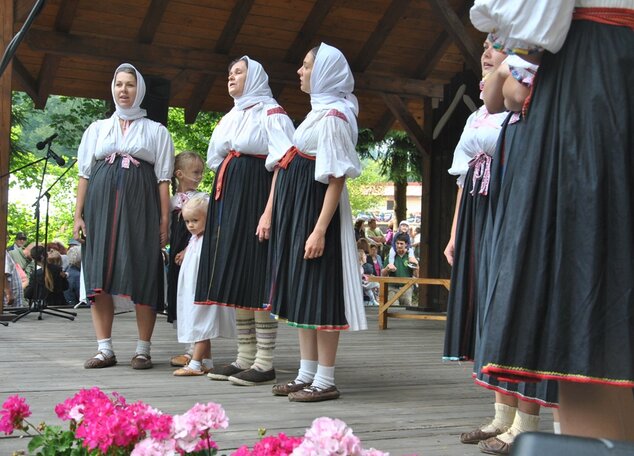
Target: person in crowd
(20, 240)
(359, 229)
(13, 289)
(375, 260)
(516, 406)
(403, 231)
(315, 281)
(48, 282)
(73, 274)
(198, 323)
(122, 215)
(374, 233)
(560, 257)
(369, 288)
(22, 258)
(188, 173)
(244, 149)
(401, 267)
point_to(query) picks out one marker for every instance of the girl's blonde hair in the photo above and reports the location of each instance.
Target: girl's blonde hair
(361, 254)
(181, 161)
(198, 202)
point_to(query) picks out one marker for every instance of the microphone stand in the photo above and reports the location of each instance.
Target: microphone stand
(37, 304)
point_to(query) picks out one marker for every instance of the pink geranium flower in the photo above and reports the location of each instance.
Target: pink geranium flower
(14, 411)
(279, 445)
(192, 428)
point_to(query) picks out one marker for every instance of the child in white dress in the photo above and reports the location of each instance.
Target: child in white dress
(198, 323)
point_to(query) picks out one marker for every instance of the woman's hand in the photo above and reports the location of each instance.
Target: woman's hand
(79, 229)
(164, 235)
(263, 231)
(315, 244)
(449, 251)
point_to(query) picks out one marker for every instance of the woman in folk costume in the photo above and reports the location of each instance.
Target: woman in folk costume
(122, 211)
(562, 274)
(244, 148)
(315, 282)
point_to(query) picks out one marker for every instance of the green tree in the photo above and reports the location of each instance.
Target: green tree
(366, 189)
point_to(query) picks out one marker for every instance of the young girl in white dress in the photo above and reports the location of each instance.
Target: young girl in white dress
(198, 323)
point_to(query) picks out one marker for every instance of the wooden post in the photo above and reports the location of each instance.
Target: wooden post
(6, 21)
(425, 219)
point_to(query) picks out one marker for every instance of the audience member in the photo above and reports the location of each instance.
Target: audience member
(73, 274)
(20, 240)
(401, 267)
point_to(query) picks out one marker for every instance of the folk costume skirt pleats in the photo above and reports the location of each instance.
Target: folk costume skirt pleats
(179, 238)
(232, 269)
(122, 254)
(305, 293)
(560, 293)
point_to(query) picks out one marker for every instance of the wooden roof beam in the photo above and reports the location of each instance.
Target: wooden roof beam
(223, 46)
(204, 61)
(421, 140)
(394, 12)
(305, 37)
(456, 29)
(26, 80)
(151, 21)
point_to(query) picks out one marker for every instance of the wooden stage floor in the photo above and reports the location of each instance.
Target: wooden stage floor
(397, 394)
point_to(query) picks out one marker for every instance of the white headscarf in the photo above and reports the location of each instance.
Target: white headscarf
(135, 112)
(256, 86)
(332, 83)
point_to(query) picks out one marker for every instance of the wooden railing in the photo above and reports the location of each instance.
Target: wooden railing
(384, 303)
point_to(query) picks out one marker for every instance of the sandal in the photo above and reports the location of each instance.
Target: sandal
(141, 361)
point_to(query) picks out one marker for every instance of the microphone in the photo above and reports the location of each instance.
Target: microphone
(42, 144)
(59, 160)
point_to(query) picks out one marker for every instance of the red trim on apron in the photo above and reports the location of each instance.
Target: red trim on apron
(290, 155)
(623, 17)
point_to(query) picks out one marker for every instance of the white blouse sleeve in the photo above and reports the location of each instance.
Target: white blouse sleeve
(164, 164)
(219, 145)
(336, 153)
(86, 150)
(520, 26)
(279, 131)
(461, 157)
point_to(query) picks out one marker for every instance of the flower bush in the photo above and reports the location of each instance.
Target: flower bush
(108, 425)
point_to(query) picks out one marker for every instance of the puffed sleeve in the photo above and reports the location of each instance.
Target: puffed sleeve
(336, 153)
(279, 131)
(518, 27)
(86, 150)
(219, 144)
(461, 157)
(164, 164)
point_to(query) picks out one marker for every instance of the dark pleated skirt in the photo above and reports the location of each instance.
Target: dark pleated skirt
(466, 298)
(305, 293)
(560, 295)
(122, 253)
(179, 238)
(462, 306)
(232, 268)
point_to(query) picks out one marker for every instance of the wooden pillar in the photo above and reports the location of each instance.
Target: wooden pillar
(6, 33)
(425, 219)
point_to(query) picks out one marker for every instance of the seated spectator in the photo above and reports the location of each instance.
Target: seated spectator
(364, 245)
(22, 258)
(368, 287)
(375, 260)
(374, 233)
(13, 291)
(403, 232)
(20, 240)
(359, 229)
(47, 286)
(401, 267)
(73, 272)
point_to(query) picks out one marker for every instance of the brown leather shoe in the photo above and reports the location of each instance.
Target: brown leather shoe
(96, 363)
(140, 362)
(477, 435)
(494, 445)
(180, 360)
(284, 389)
(314, 394)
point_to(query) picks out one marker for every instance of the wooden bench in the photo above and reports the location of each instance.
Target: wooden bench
(407, 282)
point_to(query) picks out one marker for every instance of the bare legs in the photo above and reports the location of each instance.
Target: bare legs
(102, 316)
(596, 411)
(319, 346)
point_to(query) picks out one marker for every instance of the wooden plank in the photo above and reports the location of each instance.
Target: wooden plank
(199, 60)
(46, 79)
(28, 82)
(424, 403)
(379, 35)
(152, 20)
(66, 15)
(455, 28)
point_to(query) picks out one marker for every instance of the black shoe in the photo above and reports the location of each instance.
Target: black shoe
(253, 377)
(224, 372)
